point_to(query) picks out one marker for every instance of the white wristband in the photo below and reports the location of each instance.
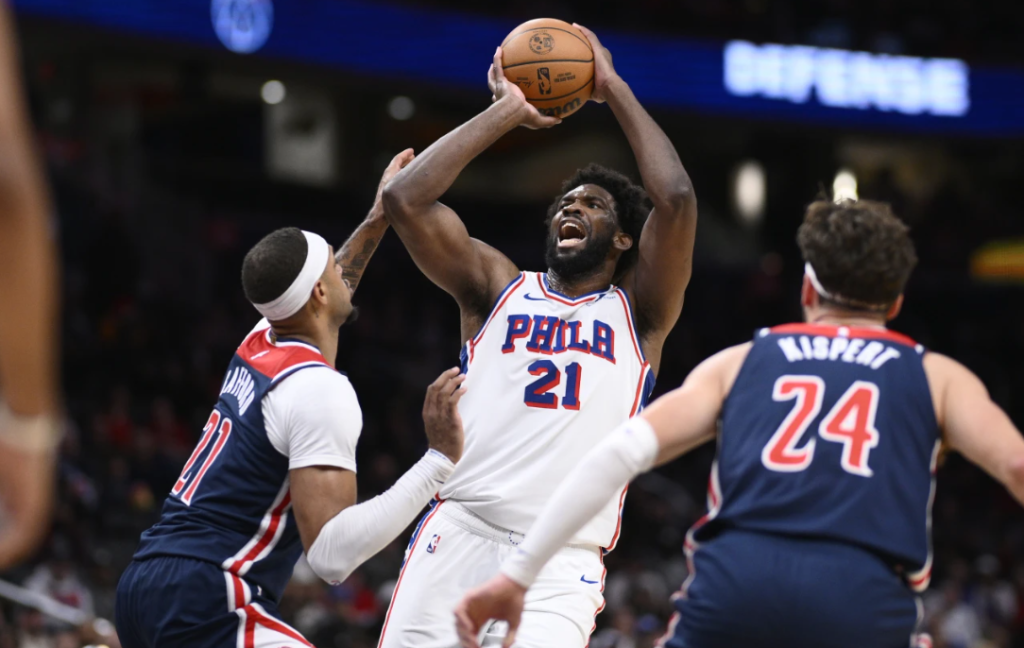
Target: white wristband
(36, 433)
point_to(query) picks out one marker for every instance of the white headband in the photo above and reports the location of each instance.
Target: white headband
(299, 292)
(813, 276)
(842, 301)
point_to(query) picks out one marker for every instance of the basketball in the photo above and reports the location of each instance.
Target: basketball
(552, 63)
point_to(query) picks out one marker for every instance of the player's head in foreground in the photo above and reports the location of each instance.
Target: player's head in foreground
(594, 225)
(293, 279)
(858, 256)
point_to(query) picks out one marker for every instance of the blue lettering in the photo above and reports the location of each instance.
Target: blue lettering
(544, 329)
(604, 341)
(574, 338)
(518, 327)
(560, 337)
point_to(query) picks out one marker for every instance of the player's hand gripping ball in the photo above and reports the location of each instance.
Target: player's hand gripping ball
(552, 62)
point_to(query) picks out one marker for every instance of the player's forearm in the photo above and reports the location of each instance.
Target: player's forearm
(664, 176)
(28, 363)
(351, 537)
(355, 254)
(596, 481)
(28, 259)
(430, 175)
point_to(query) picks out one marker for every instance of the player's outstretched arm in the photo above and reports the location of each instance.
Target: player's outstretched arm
(670, 427)
(362, 243)
(471, 271)
(29, 295)
(666, 247)
(974, 425)
(338, 534)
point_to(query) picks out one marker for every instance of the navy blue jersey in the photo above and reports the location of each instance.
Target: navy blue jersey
(231, 505)
(829, 432)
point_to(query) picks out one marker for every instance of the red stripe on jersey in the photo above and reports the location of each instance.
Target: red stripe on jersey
(272, 360)
(412, 553)
(829, 330)
(239, 591)
(639, 388)
(600, 609)
(921, 581)
(568, 301)
(276, 516)
(269, 622)
(497, 307)
(250, 630)
(618, 525)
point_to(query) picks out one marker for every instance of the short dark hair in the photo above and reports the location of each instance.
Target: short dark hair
(860, 251)
(631, 208)
(273, 264)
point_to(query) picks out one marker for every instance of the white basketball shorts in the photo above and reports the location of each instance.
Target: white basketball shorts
(453, 551)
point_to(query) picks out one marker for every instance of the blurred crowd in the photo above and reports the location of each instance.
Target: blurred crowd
(977, 31)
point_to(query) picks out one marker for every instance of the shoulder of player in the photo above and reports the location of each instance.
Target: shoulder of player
(724, 366)
(945, 374)
(318, 386)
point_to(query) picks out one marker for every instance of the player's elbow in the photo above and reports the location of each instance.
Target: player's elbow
(327, 562)
(397, 202)
(676, 198)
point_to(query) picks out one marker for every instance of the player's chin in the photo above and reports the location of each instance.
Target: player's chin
(352, 316)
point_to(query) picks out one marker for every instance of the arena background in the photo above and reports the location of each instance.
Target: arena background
(170, 155)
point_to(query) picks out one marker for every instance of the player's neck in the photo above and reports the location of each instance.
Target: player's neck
(845, 318)
(324, 340)
(582, 285)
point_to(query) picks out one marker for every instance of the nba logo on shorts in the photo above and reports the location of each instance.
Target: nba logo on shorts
(242, 25)
(432, 545)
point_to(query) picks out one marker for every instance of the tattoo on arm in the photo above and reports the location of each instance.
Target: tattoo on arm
(357, 250)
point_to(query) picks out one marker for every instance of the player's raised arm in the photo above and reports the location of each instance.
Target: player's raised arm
(362, 243)
(666, 246)
(470, 270)
(673, 425)
(29, 295)
(974, 425)
(339, 535)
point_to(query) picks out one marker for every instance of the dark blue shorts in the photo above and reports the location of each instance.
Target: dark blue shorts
(751, 590)
(171, 602)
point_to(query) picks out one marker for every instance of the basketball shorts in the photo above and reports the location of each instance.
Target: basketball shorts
(453, 551)
(765, 591)
(172, 602)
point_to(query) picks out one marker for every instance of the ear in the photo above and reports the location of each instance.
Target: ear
(809, 297)
(622, 241)
(895, 309)
(319, 292)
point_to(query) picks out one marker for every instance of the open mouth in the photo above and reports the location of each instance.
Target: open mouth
(571, 233)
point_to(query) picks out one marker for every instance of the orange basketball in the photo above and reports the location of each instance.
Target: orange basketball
(552, 62)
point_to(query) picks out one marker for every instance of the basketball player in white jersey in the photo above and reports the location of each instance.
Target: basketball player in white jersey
(29, 295)
(554, 361)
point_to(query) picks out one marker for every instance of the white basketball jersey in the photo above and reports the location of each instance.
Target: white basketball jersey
(547, 378)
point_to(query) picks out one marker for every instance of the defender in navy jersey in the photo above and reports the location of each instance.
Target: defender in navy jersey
(829, 432)
(274, 470)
